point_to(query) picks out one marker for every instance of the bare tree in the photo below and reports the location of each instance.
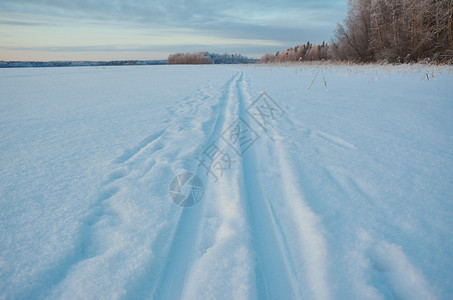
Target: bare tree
(395, 30)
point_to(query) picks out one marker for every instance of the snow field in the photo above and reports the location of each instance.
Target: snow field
(347, 194)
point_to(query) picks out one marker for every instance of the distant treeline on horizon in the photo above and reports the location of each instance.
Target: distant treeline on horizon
(43, 64)
(201, 58)
(178, 58)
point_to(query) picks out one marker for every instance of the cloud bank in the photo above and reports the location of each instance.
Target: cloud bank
(150, 29)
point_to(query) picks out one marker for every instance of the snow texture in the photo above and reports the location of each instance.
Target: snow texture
(338, 193)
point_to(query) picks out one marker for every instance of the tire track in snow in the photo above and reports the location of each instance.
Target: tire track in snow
(292, 233)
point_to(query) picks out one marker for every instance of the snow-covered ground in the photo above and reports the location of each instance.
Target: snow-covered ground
(345, 193)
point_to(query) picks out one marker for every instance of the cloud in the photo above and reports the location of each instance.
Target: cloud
(281, 24)
(197, 14)
(20, 23)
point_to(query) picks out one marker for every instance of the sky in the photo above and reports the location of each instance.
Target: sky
(46, 30)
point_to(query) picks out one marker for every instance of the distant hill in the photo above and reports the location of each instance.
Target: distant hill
(46, 64)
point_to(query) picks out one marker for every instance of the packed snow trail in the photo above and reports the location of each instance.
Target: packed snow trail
(180, 254)
(293, 220)
(343, 193)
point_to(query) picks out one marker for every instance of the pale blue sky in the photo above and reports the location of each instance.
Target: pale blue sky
(150, 29)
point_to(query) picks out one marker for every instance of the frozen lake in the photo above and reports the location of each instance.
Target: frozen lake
(344, 192)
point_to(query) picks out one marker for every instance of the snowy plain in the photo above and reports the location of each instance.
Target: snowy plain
(337, 193)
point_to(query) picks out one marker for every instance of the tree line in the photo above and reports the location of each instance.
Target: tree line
(306, 52)
(47, 64)
(198, 58)
(395, 31)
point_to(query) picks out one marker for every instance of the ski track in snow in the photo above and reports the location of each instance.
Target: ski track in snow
(297, 230)
(169, 247)
(183, 241)
(275, 274)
